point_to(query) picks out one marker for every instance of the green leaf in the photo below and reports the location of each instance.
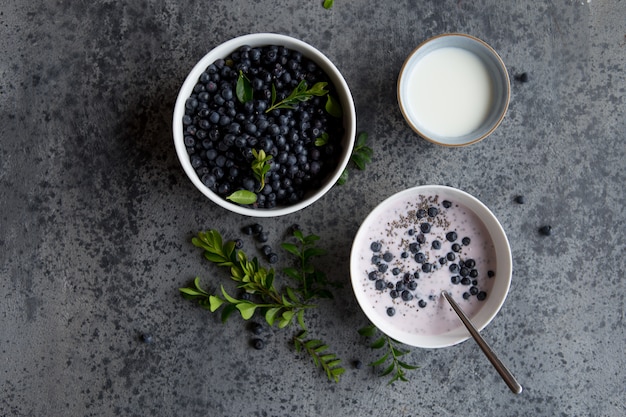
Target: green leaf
(407, 366)
(322, 139)
(333, 107)
(246, 309)
(379, 343)
(367, 331)
(291, 248)
(388, 370)
(328, 4)
(381, 360)
(270, 315)
(308, 253)
(227, 311)
(215, 302)
(300, 319)
(244, 88)
(343, 178)
(191, 291)
(242, 197)
(228, 297)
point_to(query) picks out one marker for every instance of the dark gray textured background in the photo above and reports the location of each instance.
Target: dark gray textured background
(97, 214)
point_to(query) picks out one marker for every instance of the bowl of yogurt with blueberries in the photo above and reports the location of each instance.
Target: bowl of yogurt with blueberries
(418, 243)
(453, 90)
(264, 125)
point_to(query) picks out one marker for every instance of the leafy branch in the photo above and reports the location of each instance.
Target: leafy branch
(298, 95)
(317, 350)
(390, 359)
(260, 166)
(361, 156)
(261, 294)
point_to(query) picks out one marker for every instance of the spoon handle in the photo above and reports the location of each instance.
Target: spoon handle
(502, 370)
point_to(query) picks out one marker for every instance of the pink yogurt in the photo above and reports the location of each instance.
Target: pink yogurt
(423, 310)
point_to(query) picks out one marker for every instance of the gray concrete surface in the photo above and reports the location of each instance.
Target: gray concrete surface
(97, 214)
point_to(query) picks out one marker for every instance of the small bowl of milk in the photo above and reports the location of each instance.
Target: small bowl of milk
(453, 90)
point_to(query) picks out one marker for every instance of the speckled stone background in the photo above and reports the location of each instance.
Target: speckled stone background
(96, 214)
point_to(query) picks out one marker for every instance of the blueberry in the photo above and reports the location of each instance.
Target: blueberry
(425, 227)
(375, 260)
(473, 290)
(466, 295)
(446, 204)
(545, 230)
(421, 213)
(387, 256)
(491, 274)
(523, 77)
(466, 241)
(380, 285)
(413, 247)
(455, 279)
(238, 243)
(454, 268)
(466, 281)
(481, 295)
(272, 258)
(357, 364)
(394, 294)
(376, 246)
(433, 211)
(473, 273)
(404, 255)
(411, 232)
(420, 257)
(266, 250)
(421, 303)
(451, 236)
(147, 338)
(258, 344)
(456, 247)
(396, 271)
(406, 295)
(412, 285)
(436, 244)
(464, 272)
(421, 239)
(373, 276)
(248, 230)
(262, 237)
(470, 263)
(426, 267)
(520, 199)
(443, 260)
(383, 268)
(257, 228)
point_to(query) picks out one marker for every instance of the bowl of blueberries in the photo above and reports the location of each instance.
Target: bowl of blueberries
(264, 125)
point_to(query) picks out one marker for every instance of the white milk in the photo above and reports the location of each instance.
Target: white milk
(450, 92)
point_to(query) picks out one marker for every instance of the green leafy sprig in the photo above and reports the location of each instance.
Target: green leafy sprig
(260, 166)
(328, 4)
(390, 359)
(321, 358)
(299, 94)
(361, 156)
(258, 283)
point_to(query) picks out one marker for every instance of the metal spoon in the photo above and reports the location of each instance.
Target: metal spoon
(502, 370)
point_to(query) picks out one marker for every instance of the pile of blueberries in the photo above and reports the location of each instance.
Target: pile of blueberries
(220, 131)
(403, 284)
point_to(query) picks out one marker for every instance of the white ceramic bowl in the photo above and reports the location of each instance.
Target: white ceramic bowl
(450, 329)
(455, 99)
(256, 40)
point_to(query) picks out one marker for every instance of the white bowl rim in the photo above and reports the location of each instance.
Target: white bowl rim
(503, 277)
(425, 135)
(262, 39)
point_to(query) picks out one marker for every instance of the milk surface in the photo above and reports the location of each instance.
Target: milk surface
(450, 92)
(398, 227)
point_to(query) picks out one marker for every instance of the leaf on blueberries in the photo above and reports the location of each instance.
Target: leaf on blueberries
(243, 197)
(244, 88)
